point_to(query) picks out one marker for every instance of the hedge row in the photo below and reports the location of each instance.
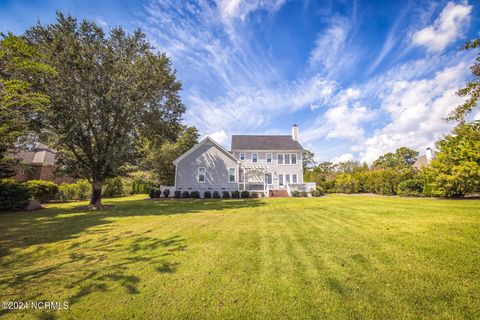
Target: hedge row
(215, 194)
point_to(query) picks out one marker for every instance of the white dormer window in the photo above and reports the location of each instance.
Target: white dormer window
(201, 174)
(287, 158)
(242, 156)
(269, 158)
(280, 158)
(254, 157)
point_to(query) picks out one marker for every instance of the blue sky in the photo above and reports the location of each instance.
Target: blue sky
(360, 78)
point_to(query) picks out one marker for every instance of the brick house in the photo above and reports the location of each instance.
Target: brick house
(38, 164)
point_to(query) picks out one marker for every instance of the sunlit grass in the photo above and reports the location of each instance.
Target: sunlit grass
(334, 257)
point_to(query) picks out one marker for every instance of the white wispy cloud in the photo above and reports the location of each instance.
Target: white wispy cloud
(445, 29)
(251, 108)
(329, 43)
(240, 9)
(417, 110)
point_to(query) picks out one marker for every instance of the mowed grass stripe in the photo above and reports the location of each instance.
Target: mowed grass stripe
(332, 257)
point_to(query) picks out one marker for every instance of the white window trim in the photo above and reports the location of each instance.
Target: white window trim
(296, 176)
(290, 156)
(283, 159)
(240, 156)
(271, 157)
(271, 178)
(257, 157)
(204, 174)
(235, 175)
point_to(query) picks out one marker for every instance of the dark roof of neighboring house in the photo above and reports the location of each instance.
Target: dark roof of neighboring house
(250, 142)
(40, 155)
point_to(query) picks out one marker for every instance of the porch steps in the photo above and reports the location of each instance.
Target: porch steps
(278, 193)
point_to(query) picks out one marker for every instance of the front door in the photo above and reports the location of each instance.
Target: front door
(281, 183)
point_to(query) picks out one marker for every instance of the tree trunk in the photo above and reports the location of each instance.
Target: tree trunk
(96, 199)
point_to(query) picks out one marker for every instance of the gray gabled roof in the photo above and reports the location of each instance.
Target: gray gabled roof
(200, 143)
(254, 142)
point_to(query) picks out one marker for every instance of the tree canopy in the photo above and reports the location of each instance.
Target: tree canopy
(456, 169)
(403, 157)
(472, 89)
(22, 99)
(111, 93)
(159, 159)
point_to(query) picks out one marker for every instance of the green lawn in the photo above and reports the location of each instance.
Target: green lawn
(336, 257)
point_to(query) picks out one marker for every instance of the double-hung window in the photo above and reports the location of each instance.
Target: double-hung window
(232, 175)
(287, 158)
(254, 157)
(294, 178)
(269, 158)
(268, 178)
(201, 174)
(280, 158)
(242, 156)
(287, 178)
(294, 158)
(280, 179)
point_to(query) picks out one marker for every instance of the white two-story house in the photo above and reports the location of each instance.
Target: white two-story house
(268, 164)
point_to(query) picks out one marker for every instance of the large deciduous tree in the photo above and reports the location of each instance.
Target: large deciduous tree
(111, 93)
(403, 157)
(159, 159)
(456, 169)
(471, 91)
(21, 96)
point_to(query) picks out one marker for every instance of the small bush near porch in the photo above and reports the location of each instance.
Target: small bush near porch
(335, 257)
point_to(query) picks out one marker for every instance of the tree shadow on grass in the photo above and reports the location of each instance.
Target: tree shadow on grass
(23, 229)
(89, 270)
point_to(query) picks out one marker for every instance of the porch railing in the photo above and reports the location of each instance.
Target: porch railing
(307, 186)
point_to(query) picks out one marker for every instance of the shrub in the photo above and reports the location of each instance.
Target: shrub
(166, 193)
(346, 183)
(113, 187)
(154, 193)
(318, 192)
(151, 193)
(245, 194)
(67, 191)
(254, 194)
(195, 194)
(328, 186)
(226, 195)
(139, 186)
(13, 196)
(41, 190)
(410, 188)
(216, 194)
(207, 194)
(185, 194)
(296, 193)
(177, 194)
(303, 194)
(236, 194)
(84, 189)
